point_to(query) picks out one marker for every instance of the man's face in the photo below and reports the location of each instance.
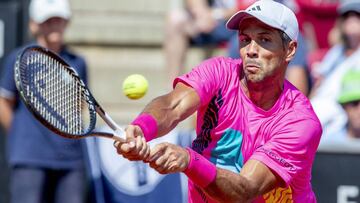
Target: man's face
(353, 112)
(350, 28)
(264, 55)
(53, 29)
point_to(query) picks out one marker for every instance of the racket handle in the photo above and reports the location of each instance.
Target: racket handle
(117, 138)
(119, 135)
(119, 132)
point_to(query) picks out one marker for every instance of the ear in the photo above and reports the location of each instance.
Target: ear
(291, 51)
(34, 28)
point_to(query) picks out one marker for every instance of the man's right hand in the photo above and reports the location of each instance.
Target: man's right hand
(135, 148)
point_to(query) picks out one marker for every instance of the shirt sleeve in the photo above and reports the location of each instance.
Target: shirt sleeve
(291, 150)
(205, 78)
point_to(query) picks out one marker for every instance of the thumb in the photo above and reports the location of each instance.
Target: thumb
(124, 147)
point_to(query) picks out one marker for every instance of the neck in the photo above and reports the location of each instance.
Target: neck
(263, 95)
(352, 46)
(55, 47)
(353, 132)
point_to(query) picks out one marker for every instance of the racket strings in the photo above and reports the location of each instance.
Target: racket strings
(57, 94)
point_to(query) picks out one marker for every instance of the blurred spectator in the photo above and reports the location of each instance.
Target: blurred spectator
(43, 167)
(339, 59)
(297, 71)
(316, 20)
(201, 23)
(349, 99)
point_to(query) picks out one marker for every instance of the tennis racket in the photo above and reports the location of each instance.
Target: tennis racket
(54, 93)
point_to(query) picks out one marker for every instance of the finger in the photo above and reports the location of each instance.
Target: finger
(126, 147)
(163, 168)
(138, 152)
(145, 149)
(147, 159)
(160, 161)
(157, 151)
(130, 133)
(138, 131)
(139, 144)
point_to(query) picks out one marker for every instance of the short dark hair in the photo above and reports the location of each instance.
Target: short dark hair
(284, 38)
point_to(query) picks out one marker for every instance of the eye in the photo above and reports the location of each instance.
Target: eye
(243, 39)
(264, 39)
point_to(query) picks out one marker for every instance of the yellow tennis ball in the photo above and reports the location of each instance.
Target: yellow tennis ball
(135, 86)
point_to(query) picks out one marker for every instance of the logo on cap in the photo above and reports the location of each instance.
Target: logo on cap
(255, 8)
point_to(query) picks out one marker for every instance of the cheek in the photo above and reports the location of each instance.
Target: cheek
(242, 53)
(352, 26)
(269, 61)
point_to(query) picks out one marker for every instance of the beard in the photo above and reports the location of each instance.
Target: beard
(255, 73)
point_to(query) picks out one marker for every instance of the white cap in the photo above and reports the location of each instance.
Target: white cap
(349, 5)
(271, 13)
(42, 10)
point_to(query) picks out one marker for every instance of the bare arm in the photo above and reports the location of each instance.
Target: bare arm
(167, 110)
(6, 115)
(255, 179)
(199, 7)
(170, 109)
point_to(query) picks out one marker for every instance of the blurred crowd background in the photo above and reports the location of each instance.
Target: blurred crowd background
(161, 39)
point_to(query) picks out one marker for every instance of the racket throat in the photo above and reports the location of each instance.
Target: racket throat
(118, 131)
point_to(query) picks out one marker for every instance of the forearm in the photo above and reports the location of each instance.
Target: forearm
(6, 114)
(197, 7)
(223, 13)
(164, 113)
(223, 185)
(170, 109)
(230, 187)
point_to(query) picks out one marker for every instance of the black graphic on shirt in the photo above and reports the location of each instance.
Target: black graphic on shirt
(211, 119)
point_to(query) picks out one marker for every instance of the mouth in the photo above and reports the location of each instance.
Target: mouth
(252, 68)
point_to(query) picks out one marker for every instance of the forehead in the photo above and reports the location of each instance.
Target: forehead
(254, 25)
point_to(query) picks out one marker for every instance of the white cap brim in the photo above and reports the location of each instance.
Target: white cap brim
(49, 15)
(235, 21)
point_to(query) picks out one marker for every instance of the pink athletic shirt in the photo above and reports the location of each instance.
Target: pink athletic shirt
(231, 130)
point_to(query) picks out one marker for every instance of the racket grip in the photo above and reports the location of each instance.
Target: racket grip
(119, 135)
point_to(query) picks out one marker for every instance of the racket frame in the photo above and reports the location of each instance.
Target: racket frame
(119, 133)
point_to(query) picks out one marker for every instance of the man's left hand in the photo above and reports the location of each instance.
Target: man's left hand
(168, 158)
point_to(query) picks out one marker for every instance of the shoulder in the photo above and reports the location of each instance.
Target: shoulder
(11, 57)
(298, 109)
(72, 55)
(73, 58)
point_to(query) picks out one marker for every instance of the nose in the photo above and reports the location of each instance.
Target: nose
(252, 49)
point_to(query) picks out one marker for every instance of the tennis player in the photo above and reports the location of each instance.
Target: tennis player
(256, 133)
